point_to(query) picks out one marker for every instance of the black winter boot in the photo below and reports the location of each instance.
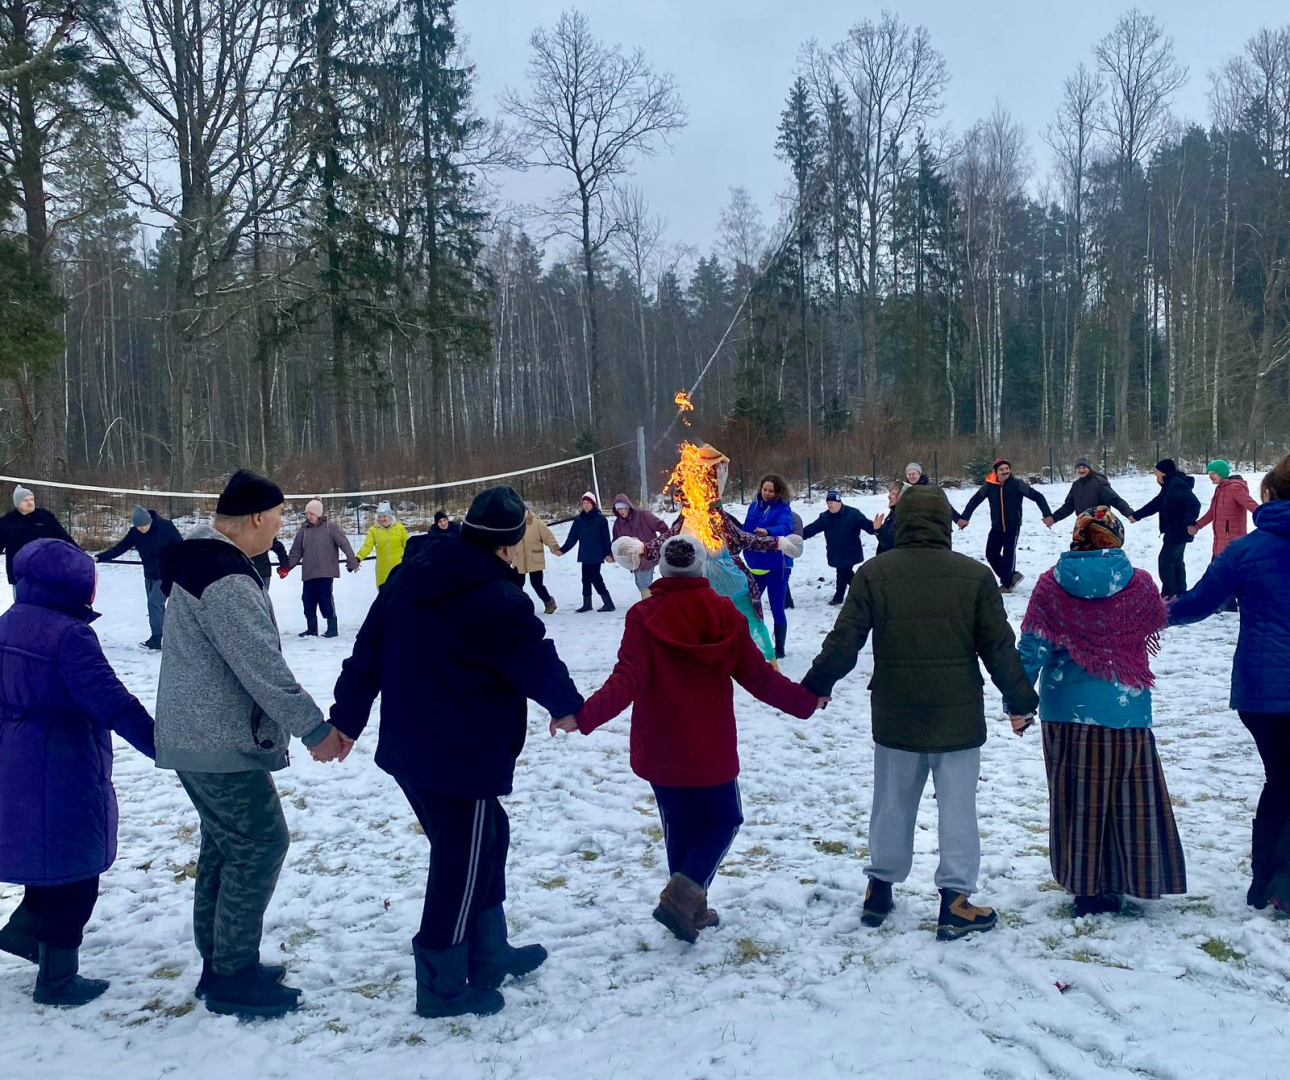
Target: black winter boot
(332, 630)
(1099, 904)
(492, 958)
(788, 599)
(878, 902)
(58, 982)
(311, 626)
(608, 605)
(1263, 850)
(273, 973)
(18, 937)
(442, 989)
(586, 602)
(781, 639)
(249, 993)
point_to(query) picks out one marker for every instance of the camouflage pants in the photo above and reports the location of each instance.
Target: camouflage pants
(244, 844)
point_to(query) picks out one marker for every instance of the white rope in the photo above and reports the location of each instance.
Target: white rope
(329, 495)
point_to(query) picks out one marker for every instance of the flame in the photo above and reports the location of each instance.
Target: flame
(694, 481)
(684, 403)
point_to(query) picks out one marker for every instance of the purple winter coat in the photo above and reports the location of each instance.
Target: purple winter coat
(641, 524)
(60, 701)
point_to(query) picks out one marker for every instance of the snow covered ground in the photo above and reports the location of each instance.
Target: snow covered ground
(790, 984)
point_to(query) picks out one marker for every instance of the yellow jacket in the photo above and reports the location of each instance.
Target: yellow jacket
(529, 556)
(388, 542)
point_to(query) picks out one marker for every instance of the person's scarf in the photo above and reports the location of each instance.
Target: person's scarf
(1110, 637)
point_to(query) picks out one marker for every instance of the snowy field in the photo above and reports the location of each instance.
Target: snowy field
(789, 985)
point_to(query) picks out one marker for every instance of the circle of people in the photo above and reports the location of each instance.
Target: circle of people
(228, 705)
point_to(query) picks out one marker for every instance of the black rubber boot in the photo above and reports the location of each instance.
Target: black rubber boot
(153, 644)
(1263, 845)
(878, 902)
(58, 982)
(311, 626)
(586, 602)
(332, 630)
(443, 989)
(1099, 904)
(781, 639)
(788, 599)
(608, 605)
(18, 937)
(249, 993)
(273, 973)
(492, 957)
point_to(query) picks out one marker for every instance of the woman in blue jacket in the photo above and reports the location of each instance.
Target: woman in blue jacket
(589, 533)
(60, 701)
(772, 515)
(1255, 571)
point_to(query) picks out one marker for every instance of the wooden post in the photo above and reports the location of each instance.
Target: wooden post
(640, 464)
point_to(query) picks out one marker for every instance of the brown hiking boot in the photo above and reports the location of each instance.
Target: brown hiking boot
(550, 607)
(682, 907)
(959, 917)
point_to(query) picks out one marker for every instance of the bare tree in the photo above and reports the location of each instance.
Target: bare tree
(635, 243)
(591, 109)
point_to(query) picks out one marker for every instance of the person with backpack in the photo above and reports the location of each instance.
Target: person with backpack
(771, 514)
(318, 543)
(530, 556)
(1004, 490)
(388, 537)
(643, 526)
(841, 526)
(451, 733)
(1179, 509)
(683, 649)
(1255, 570)
(1088, 491)
(149, 534)
(589, 533)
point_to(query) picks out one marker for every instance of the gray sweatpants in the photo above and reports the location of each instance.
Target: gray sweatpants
(644, 578)
(156, 607)
(899, 777)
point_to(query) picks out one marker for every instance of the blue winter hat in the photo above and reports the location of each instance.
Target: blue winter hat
(833, 496)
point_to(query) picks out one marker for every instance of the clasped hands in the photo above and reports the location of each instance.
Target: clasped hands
(335, 747)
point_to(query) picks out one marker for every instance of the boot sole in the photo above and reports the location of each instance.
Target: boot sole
(675, 925)
(873, 919)
(955, 933)
(493, 1004)
(224, 1008)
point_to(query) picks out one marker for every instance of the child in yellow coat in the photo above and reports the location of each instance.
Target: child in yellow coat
(388, 538)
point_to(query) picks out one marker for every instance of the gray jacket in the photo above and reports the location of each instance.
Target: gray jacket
(315, 548)
(226, 700)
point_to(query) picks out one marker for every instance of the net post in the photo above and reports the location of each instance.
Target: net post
(640, 462)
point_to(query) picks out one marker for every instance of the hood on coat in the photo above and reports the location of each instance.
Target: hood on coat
(622, 498)
(1180, 478)
(202, 542)
(1273, 517)
(55, 574)
(1093, 575)
(434, 572)
(692, 616)
(924, 518)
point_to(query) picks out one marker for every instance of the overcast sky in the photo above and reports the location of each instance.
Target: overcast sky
(734, 61)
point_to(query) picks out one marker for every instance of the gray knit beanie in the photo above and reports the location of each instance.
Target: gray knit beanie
(19, 493)
(140, 516)
(682, 556)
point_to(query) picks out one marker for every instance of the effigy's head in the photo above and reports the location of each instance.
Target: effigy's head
(698, 481)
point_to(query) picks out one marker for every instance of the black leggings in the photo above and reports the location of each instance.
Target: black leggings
(61, 911)
(1270, 849)
(535, 580)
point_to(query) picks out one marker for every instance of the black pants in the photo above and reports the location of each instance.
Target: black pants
(1001, 554)
(317, 596)
(1173, 568)
(535, 580)
(591, 579)
(1270, 849)
(469, 839)
(699, 825)
(61, 911)
(845, 576)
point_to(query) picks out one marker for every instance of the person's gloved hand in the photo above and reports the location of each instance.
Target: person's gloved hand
(791, 546)
(283, 571)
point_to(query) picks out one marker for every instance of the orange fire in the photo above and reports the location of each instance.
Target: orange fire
(694, 481)
(684, 403)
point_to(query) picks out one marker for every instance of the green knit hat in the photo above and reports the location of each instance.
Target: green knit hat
(1221, 467)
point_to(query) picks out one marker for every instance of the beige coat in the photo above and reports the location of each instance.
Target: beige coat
(529, 556)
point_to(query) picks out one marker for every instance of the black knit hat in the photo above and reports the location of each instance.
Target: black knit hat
(248, 493)
(1166, 466)
(496, 518)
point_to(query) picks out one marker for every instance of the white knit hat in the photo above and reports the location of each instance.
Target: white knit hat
(385, 510)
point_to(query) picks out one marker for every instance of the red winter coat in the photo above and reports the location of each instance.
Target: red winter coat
(1228, 512)
(681, 648)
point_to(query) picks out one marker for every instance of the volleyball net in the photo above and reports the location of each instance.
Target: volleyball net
(98, 516)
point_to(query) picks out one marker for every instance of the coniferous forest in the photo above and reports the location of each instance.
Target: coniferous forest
(267, 232)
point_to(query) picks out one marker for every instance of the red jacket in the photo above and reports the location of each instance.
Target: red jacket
(1228, 512)
(681, 648)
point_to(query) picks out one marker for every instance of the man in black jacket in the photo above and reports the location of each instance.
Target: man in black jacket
(23, 524)
(1089, 491)
(1178, 508)
(841, 526)
(1005, 493)
(149, 533)
(454, 649)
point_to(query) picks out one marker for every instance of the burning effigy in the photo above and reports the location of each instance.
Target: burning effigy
(697, 483)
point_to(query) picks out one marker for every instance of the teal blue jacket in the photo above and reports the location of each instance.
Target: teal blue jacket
(1067, 692)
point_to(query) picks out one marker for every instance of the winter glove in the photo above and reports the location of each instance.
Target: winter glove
(283, 571)
(791, 546)
(627, 552)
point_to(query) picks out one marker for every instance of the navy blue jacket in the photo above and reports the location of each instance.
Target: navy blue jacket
(1256, 570)
(1177, 506)
(60, 701)
(1005, 502)
(454, 649)
(17, 530)
(841, 535)
(162, 534)
(590, 531)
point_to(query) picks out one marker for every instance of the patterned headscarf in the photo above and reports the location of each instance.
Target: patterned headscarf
(1096, 529)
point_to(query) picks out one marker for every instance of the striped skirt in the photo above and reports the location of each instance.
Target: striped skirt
(1111, 825)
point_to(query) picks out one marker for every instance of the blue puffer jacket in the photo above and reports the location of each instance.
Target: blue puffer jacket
(1067, 692)
(1256, 570)
(59, 703)
(777, 519)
